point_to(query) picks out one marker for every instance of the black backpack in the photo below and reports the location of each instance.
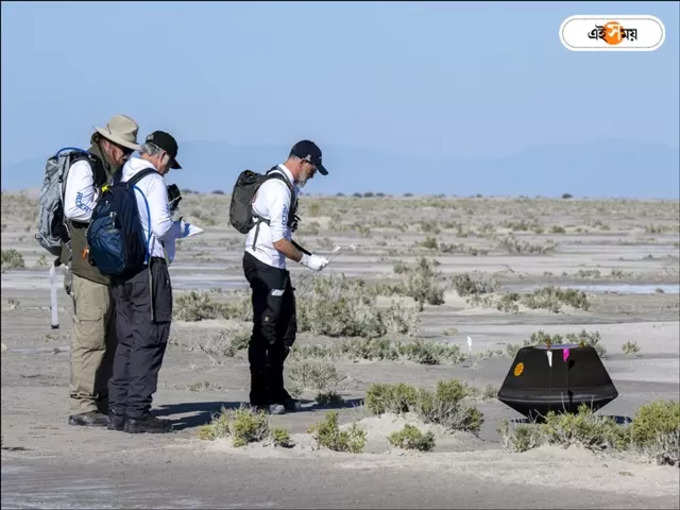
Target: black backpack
(241, 214)
(115, 234)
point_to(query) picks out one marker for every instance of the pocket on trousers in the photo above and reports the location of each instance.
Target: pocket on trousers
(162, 292)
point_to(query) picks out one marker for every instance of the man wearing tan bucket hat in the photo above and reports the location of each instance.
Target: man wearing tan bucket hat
(93, 343)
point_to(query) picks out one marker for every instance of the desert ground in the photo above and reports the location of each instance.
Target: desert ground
(622, 254)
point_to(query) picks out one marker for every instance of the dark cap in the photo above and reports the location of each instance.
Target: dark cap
(166, 142)
(308, 150)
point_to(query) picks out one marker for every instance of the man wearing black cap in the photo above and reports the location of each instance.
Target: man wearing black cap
(264, 263)
(144, 300)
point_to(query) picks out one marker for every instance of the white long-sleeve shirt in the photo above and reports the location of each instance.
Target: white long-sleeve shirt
(272, 201)
(80, 195)
(163, 229)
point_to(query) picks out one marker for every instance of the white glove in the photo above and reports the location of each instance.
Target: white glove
(183, 228)
(314, 262)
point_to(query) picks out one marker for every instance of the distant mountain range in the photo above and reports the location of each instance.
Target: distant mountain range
(611, 168)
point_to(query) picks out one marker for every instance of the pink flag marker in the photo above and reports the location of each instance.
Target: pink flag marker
(565, 355)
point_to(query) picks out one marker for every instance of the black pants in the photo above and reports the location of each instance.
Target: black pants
(274, 328)
(143, 314)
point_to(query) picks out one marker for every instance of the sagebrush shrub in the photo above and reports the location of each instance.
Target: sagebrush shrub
(281, 437)
(12, 259)
(329, 398)
(443, 406)
(247, 426)
(411, 438)
(584, 428)
(630, 348)
(312, 375)
(654, 419)
(339, 306)
(328, 434)
(466, 284)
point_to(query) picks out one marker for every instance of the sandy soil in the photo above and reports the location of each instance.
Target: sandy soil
(48, 464)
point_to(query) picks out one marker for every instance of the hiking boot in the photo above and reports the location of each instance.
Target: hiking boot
(292, 405)
(116, 422)
(89, 419)
(276, 409)
(270, 409)
(147, 424)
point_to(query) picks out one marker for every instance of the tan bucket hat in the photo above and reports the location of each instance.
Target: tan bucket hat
(122, 130)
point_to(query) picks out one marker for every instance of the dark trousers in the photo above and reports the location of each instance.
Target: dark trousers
(274, 328)
(143, 314)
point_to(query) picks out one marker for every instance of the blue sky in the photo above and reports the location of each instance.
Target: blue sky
(415, 80)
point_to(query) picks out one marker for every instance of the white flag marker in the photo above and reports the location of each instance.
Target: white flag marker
(53, 298)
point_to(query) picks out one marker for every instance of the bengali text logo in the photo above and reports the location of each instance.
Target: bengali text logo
(612, 33)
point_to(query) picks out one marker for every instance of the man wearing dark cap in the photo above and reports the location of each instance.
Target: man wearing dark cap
(268, 245)
(144, 300)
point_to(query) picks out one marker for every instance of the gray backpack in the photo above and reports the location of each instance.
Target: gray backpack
(52, 231)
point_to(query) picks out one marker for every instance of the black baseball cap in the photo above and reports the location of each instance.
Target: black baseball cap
(308, 150)
(166, 142)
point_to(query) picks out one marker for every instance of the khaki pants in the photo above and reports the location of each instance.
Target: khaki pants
(93, 345)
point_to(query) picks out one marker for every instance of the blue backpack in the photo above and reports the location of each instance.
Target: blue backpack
(115, 235)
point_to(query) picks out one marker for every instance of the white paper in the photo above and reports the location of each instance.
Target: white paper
(193, 230)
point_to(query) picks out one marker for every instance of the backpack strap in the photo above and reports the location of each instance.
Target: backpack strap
(75, 154)
(132, 183)
(139, 176)
(274, 173)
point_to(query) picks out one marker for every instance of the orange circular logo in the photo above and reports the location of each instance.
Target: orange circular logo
(519, 368)
(613, 32)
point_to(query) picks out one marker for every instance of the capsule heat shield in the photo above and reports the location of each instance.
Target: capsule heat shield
(538, 382)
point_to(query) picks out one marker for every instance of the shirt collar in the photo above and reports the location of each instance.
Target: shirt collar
(287, 172)
(136, 163)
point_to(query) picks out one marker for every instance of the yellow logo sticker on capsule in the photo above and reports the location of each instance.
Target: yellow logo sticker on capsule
(519, 368)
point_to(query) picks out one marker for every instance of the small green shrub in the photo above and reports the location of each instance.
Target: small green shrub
(394, 398)
(653, 419)
(513, 245)
(218, 427)
(328, 434)
(443, 406)
(422, 284)
(12, 259)
(247, 426)
(552, 298)
(339, 306)
(224, 343)
(196, 306)
(369, 349)
(630, 348)
(430, 243)
(281, 437)
(520, 438)
(429, 353)
(584, 428)
(465, 284)
(329, 398)
(312, 375)
(244, 425)
(411, 438)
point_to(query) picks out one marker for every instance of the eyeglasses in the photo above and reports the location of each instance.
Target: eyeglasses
(127, 152)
